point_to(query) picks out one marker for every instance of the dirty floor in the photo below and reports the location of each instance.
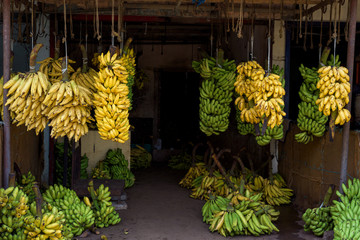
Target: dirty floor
(159, 209)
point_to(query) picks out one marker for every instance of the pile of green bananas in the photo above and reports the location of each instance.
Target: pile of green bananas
(101, 171)
(54, 194)
(249, 217)
(277, 133)
(79, 217)
(140, 158)
(244, 128)
(118, 166)
(318, 220)
(346, 213)
(13, 208)
(104, 212)
(26, 184)
(181, 161)
(205, 184)
(195, 171)
(216, 92)
(310, 120)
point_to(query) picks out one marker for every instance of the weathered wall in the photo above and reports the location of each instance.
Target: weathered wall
(311, 168)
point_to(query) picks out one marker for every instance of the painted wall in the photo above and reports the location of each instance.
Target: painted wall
(310, 168)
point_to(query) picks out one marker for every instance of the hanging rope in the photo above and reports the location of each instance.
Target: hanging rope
(269, 39)
(86, 28)
(300, 9)
(321, 26)
(64, 40)
(311, 33)
(97, 20)
(252, 34)
(233, 15)
(339, 18)
(346, 30)
(335, 35)
(32, 24)
(120, 19)
(282, 18)
(330, 20)
(72, 35)
(306, 25)
(240, 20)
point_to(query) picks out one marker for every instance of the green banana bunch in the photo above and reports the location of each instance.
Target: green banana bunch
(244, 128)
(104, 212)
(13, 208)
(276, 133)
(26, 184)
(79, 217)
(205, 184)
(54, 194)
(346, 213)
(183, 161)
(248, 217)
(216, 92)
(310, 120)
(101, 171)
(330, 62)
(140, 158)
(318, 220)
(123, 173)
(84, 163)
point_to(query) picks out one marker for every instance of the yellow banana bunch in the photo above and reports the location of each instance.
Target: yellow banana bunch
(275, 195)
(95, 60)
(85, 79)
(111, 99)
(52, 68)
(67, 106)
(128, 59)
(248, 74)
(334, 89)
(194, 172)
(12, 115)
(26, 92)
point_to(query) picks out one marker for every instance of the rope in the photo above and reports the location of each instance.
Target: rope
(269, 39)
(72, 35)
(306, 25)
(233, 15)
(269, 33)
(252, 34)
(227, 15)
(32, 24)
(330, 20)
(120, 19)
(86, 32)
(300, 9)
(240, 20)
(97, 20)
(339, 17)
(346, 30)
(321, 27)
(311, 33)
(64, 40)
(282, 18)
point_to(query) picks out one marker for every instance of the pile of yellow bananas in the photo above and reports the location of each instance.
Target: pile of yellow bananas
(52, 68)
(334, 89)
(2, 97)
(111, 99)
(260, 95)
(194, 172)
(26, 93)
(67, 106)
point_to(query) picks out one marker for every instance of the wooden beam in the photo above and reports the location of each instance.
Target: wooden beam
(316, 7)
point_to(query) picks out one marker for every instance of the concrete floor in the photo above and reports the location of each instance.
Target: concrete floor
(159, 209)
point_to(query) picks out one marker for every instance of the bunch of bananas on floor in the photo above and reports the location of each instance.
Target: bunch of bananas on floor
(334, 89)
(118, 165)
(105, 214)
(140, 158)
(101, 171)
(13, 208)
(317, 220)
(277, 133)
(26, 91)
(128, 58)
(216, 92)
(111, 99)
(85, 77)
(346, 213)
(47, 226)
(195, 171)
(26, 184)
(275, 195)
(205, 184)
(54, 194)
(67, 106)
(249, 217)
(244, 128)
(52, 68)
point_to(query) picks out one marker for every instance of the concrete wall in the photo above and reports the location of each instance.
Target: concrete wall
(310, 168)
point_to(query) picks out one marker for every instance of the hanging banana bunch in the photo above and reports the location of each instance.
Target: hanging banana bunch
(111, 99)
(52, 68)
(26, 93)
(67, 106)
(128, 59)
(84, 76)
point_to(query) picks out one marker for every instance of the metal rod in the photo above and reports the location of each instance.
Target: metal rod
(6, 75)
(350, 66)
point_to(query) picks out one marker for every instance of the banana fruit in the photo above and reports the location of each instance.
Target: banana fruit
(26, 91)
(111, 99)
(140, 158)
(128, 58)
(244, 128)
(195, 171)
(26, 184)
(334, 89)
(53, 69)
(216, 92)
